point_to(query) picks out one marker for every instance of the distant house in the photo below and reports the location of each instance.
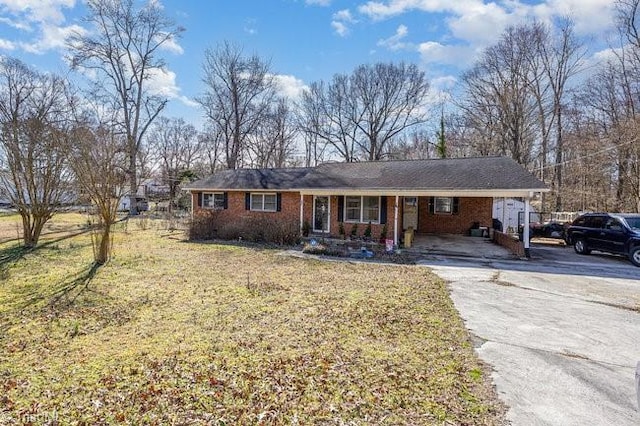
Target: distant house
(431, 196)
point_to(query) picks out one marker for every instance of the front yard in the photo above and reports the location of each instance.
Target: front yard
(175, 332)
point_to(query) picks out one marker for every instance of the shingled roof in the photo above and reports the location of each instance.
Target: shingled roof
(240, 179)
(464, 174)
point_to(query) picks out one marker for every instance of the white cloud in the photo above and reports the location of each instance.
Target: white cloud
(457, 55)
(340, 22)
(45, 17)
(343, 15)
(19, 25)
(163, 82)
(482, 24)
(289, 86)
(52, 37)
(340, 28)
(38, 10)
(6, 44)
(395, 42)
(172, 45)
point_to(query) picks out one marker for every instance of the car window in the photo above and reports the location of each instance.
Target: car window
(595, 222)
(581, 221)
(614, 225)
(633, 222)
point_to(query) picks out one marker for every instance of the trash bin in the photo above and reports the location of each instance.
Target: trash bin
(408, 237)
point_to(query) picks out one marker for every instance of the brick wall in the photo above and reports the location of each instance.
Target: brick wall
(290, 207)
(509, 242)
(471, 209)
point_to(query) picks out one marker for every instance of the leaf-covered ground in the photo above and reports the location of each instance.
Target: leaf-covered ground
(173, 332)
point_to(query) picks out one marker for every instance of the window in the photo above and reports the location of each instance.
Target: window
(443, 205)
(362, 209)
(352, 207)
(214, 200)
(264, 202)
(370, 209)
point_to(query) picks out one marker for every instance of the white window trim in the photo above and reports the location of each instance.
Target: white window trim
(262, 195)
(360, 220)
(435, 206)
(213, 194)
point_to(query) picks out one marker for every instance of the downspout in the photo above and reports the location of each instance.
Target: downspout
(395, 223)
(301, 211)
(525, 231)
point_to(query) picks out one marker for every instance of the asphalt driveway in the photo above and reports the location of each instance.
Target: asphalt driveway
(561, 332)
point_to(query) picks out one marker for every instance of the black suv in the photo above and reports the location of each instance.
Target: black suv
(610, 232)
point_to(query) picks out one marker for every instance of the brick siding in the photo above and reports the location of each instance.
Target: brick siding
(471, 209)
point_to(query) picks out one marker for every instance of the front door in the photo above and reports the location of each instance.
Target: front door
(321, 214)
(410, 213)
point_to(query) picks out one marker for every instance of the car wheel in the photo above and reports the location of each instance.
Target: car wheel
(580, 246)
(634, 255)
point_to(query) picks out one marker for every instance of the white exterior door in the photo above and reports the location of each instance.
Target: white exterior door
(321, 214)
(410, 213)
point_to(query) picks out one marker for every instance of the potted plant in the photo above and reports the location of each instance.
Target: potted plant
(354, 231)
(306, 228)
(367, 232)
(383, 234)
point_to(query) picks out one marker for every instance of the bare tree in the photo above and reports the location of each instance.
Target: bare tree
(212, 142)
(239, 92)
(123, 50)
(99, 161)
(387, 100)
(325, 118)
(498, 102)
(360, 114)
(176, 148)
(34, 120)
(273, 142)
(562, 58)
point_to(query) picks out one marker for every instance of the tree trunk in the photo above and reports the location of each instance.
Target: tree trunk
(133, 185)
(559, 156)
(104, 245)
(27, 234)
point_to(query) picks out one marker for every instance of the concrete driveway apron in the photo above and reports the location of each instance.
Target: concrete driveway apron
(563, 338)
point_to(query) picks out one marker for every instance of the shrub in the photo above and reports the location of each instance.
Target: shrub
(367, 232)
(354, 230)
(306, 228)
(341, 229)
(214, 224)
(203, 226)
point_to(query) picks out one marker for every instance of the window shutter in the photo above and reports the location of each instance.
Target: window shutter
(341, 208)
(278, 202)
(225, 202)
(432, 205)
(247, 201)
(199, 199)
(455, 208)
(383, 210)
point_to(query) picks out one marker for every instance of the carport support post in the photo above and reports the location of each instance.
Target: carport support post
(301, 212)
(525, 230)
(395, 223)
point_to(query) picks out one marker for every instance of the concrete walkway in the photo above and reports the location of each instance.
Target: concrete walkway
(563, 337)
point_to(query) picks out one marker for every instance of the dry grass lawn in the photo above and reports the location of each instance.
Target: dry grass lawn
(175, 332)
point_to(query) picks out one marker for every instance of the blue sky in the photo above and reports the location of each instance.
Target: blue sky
(308, 40)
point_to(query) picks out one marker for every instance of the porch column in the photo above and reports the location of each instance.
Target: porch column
(395, 223)
(525, 231)
(301, 211)
(504, 215)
